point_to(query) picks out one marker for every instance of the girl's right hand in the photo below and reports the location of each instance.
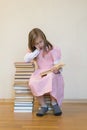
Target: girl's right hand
(37, 47)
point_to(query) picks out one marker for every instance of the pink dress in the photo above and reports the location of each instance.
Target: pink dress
(52, 83)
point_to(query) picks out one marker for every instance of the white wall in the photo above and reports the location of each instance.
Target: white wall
(63, 21)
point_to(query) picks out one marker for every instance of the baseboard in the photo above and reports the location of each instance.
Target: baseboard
(64, 101)
(75, 101)
(7, 100)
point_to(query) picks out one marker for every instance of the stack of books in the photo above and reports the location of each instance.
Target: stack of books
(24, 99)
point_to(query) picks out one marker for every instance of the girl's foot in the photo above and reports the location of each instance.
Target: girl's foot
(42, 111)
(57, 110)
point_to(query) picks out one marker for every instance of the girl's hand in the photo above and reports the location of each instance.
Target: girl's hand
(55, 70)
(37, 47)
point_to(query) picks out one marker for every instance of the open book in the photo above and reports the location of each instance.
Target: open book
(58, 66)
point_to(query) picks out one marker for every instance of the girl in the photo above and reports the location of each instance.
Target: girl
(46, 56)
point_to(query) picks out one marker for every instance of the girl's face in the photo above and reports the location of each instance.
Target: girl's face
(39, 43)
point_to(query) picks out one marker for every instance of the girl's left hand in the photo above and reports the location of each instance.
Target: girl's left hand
(55, 70)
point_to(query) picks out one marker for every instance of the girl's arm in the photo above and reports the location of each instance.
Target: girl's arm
(31, 55)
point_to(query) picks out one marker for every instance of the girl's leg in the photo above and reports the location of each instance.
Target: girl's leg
(44, 108)
(56, 108)
(53, 100)
(41, 101)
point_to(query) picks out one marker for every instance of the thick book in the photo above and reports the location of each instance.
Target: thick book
(23, 107)
(23, 84)
(20, 87)
(25, 69)
(19, 110)
(21, 80)
(23, 95)
(24, 63)
(23, 104)
(31, 100)
(26, 91)
(21, 72)
(22, 76)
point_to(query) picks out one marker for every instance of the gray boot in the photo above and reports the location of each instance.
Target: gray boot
(57, 110)
(42, 111)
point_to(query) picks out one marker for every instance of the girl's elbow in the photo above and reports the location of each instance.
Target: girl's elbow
(26, 60)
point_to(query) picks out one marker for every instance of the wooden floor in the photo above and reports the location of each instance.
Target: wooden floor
(74, 118)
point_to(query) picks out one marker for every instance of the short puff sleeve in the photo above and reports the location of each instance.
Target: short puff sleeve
(56, 55)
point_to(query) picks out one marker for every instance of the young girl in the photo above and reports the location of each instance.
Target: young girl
(46, 56)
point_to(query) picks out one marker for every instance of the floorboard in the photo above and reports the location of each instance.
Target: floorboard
(74, 117)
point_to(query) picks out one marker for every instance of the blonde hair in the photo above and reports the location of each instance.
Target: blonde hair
(33, 35)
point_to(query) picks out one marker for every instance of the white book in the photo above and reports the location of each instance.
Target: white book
(22, 91)
(24, 96)
(20, 87)
(23, 104)
(22, 110)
